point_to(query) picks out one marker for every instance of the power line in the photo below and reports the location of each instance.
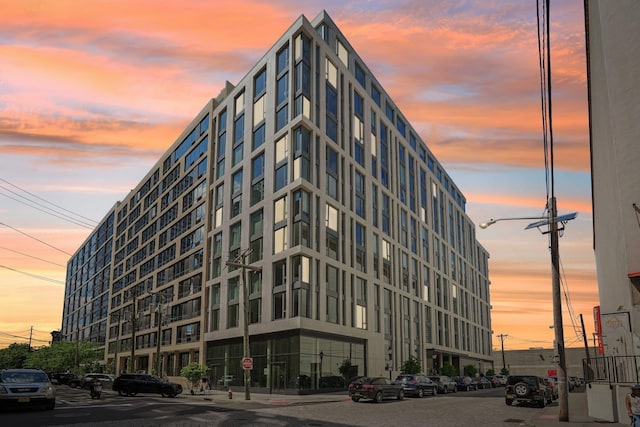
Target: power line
(94, 222)
(35, 238)
(35, 276)
(42, 210)
(31, 256)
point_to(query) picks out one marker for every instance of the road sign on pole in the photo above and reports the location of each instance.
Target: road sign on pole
(247, 363)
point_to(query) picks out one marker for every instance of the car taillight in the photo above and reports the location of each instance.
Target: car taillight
(368, 387)
(412, 382)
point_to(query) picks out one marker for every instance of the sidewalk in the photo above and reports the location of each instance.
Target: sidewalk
(578, 417)
(238, 398)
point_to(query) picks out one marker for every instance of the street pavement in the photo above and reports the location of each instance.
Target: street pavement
(548, 417)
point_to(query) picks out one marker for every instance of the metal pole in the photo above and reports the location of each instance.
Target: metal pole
(563, 392)
(159, 317)
(584, 339)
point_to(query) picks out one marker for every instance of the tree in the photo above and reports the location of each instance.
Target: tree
(66, 356)
(490, 373)
(14, 356)
(193, 373)
(504, 371)
(411, 366)
(470, 370)
(448, 369)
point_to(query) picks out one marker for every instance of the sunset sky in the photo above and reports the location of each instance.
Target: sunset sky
(92, 93)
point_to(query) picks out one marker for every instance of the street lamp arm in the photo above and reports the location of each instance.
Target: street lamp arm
(493, 221)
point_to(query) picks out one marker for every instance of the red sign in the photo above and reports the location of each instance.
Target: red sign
(552, 373)
(247, 363)
(597, 320)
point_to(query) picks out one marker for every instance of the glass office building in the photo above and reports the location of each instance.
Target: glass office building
(305, 185)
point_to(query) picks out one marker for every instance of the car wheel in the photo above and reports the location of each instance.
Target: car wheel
(401, 395)
(455, 389)
(355, 399)
(378, 397)
(444, 390)
(420, 393)
(521, 389)
(121, 393)
(543, 402)
(508, 401)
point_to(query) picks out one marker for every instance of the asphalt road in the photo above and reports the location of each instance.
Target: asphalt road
(476, 408)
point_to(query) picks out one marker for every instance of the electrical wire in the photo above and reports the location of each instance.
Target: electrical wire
(35, 238)
(91, 223)
(31, 256)
(35, 276)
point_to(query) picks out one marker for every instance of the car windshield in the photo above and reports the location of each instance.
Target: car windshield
(23, 377)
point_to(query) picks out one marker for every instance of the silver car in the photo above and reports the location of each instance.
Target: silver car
(21, 388)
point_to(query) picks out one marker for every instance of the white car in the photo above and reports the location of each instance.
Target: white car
(26, 387)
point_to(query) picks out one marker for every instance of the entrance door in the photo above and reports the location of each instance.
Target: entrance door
(278, 376)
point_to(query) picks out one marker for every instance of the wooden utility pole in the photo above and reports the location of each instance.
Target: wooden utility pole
(504, 365)
(245, 296)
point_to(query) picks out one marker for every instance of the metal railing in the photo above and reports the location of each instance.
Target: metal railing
(612, 369)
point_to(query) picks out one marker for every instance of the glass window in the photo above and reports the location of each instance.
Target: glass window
(283, 59)
(280, 209)
(260, 83)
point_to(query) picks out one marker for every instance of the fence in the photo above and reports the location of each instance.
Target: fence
(612, 369)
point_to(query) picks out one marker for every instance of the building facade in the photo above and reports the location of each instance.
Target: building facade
(305, 186)
(613, 70)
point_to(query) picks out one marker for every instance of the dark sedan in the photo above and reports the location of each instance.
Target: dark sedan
(375, 388)
(417, 385)
(132, 384)
(466, 384)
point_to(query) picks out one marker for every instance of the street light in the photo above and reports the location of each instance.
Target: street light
(552, 221)
(321, 356)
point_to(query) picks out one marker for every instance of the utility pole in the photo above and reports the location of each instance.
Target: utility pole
(134, 293)
(584, 339)
(160, 306)
(115, 356)
(245, 296)
(30, 335)
(504, 365)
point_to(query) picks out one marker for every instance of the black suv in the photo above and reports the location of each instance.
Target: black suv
(132, 384)
(527, 388)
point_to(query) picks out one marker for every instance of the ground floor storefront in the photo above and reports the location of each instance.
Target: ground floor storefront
(296, 361)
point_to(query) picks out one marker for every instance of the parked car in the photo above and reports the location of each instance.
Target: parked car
(375, 388)
(61, 378)
(527, 388)
(227, 380)
(21, 388)
(466, 384)
(417, 385)
(574, 382)
(85, 381)
(553, 385)
(501, 379)
(445, 383)
(132, 384)
(483, 382)
(493, 380)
